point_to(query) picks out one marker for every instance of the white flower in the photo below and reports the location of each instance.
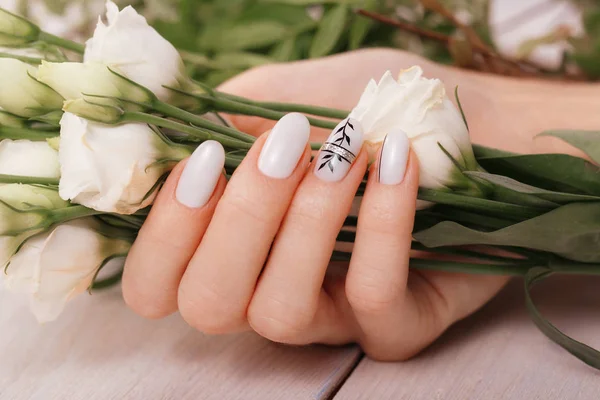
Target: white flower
(19, 218)
(419, 107)
(509, 33)
(74, 80)
(27, 158)
(112, 168)
(21, 93)
(54, 267)
(134, 49)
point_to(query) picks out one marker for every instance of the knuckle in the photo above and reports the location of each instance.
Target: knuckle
(380, 219)
(371, 295)
(146, 306)
(436, 310)
(209, 312)
(279, 322)
(310, 212)
(247, 205)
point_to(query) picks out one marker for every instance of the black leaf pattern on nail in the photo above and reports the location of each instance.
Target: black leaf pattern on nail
(331, 156)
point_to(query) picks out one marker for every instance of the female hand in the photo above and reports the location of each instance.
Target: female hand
(210, 266)
(255, 254)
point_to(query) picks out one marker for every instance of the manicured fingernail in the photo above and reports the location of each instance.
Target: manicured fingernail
(339, 151)
(284, 146)
(393, 159)
(201, 175)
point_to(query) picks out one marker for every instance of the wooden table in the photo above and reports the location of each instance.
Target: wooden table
(101, 350)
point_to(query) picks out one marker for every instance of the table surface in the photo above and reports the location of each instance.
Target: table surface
(101, 350)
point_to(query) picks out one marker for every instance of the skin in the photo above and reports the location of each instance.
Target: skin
(208, 263)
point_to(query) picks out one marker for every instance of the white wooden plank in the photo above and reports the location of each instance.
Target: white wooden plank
(497, 353)
(101, 350)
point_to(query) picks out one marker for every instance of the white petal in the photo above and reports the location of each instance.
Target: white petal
(26, 158)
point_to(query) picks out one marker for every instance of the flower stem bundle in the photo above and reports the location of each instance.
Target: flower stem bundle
(87, 144)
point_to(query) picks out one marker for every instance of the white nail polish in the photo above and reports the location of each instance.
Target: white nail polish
(339, 151)
(201, 175)
(393, 159)
(284, 146)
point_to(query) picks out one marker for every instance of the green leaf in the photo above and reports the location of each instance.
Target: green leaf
(285, 50)
(310, 2)
(488, 152)
(361, 25)
(287, 14)
(215, 78)
(585, 353)
(586, 141)
(330, 31)
(571, 231)
(509, 183)
(556, 172)
(240, 60)
(244, 36)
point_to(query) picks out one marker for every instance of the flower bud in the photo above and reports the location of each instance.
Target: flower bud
(20, 215)
(113, 168)
(134, 49)
(11, 120)
(24, 207)
(21, 93)
(56, 266)
(15, 30)
(419, 107)
(27, 158)
(94, 112)
(92, 81)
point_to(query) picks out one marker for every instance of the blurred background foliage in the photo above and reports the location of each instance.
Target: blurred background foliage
(221, 38)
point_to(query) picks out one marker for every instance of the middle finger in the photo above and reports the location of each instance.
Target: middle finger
(219, 281)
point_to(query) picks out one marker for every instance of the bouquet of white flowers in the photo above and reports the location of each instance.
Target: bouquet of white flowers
(86, 145)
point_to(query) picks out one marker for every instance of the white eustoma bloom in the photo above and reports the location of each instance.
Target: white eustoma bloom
(509, 32)
(419, 107)
(27, 158)
(17, 226)
(55, 266)
(134, 49)
(112, 168)
(21, 93)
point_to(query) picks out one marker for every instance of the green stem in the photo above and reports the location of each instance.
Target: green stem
(7, 132)
(70, 213)
(61, 42)
(190, 130)
(471, 268)
(289, 107)
(457, 267)
(197, 120)
(28, 180)
(236, 107)
(489, 207)
(25, 59)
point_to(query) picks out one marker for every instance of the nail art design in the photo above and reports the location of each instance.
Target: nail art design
(393, 158)
(339, 151)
